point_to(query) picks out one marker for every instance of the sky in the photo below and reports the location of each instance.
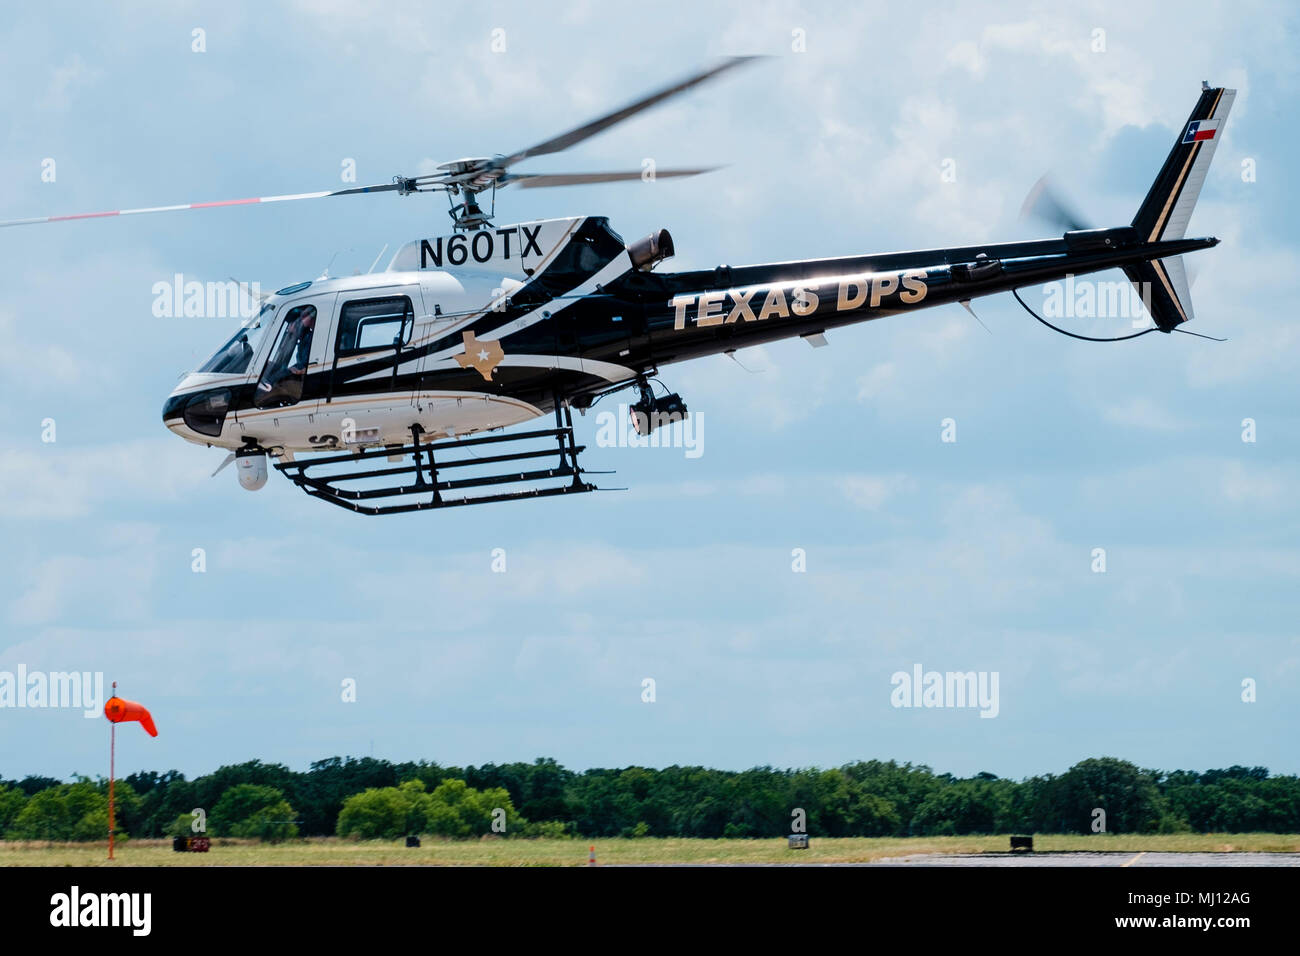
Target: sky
(866, 129)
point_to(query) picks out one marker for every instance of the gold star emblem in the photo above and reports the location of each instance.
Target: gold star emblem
(484, 356)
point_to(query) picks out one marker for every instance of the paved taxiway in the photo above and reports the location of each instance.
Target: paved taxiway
(1094, 859)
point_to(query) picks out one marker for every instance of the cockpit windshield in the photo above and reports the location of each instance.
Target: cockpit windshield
(234, 357)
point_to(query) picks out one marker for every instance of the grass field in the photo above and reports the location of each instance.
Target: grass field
(502, 852)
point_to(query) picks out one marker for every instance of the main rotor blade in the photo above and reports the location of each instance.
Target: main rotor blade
(539, 180)
(355, 190)
(573, 136)
(1044, 201)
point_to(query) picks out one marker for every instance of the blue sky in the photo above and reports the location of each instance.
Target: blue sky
(973, 555)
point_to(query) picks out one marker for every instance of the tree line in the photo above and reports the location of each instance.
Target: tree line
(368, 798)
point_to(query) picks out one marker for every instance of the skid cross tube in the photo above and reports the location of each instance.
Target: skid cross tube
(326, 486)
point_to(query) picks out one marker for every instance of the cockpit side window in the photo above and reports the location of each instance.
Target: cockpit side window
(369, 324)
(286, 368)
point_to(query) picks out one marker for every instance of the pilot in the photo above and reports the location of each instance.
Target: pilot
(290, 358)
(306, 325)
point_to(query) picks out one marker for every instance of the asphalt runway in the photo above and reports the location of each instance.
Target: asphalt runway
(1094, 859)
(1078, 858)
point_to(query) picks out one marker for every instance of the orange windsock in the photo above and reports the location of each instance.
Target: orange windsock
(117, 710)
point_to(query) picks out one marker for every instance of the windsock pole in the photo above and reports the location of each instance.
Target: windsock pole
(112, 757)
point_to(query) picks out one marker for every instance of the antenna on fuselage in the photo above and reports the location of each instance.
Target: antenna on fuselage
(965, 304)
(731, 354)
(325, 273)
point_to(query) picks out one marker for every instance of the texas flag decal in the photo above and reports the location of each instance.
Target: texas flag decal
(1200, 131)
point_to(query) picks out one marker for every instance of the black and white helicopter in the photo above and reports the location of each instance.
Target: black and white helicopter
(372, 391)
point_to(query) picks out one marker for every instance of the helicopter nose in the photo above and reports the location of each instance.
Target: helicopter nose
(172, 410)
(197, 415)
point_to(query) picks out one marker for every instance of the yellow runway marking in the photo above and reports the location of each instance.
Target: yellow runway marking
(1134, 860)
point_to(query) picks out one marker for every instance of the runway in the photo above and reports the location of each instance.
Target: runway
(1089, 859)
(1080, 858)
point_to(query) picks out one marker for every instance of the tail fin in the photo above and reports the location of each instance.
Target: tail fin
(1168, 207)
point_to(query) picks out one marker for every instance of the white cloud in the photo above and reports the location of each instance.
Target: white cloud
(1258, 484)
(113, 585)
(878, 379)
(29, 358)
(62, 480)
(1142, 412)
(870, 492)
(66, 80)
(687, 581)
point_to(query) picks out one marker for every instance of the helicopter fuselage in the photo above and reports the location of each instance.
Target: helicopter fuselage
(485, 329)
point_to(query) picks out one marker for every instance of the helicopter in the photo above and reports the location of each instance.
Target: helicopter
(391, 392)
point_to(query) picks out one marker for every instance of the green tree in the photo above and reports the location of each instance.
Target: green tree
(271, 824)
(45, 816)
(866, 798)
(962, 807)
(11, 804)
(182, 826)
(329, 782)
(253, 811)
(32, 785)
(1127, 795)
(72, 811)
(386, 813)
(93, 826)
(904, 787)
(537, 789)
(456, 809)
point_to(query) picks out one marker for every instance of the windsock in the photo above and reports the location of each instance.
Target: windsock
(118, 710)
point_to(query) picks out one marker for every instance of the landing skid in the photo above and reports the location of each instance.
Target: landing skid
(426, 463)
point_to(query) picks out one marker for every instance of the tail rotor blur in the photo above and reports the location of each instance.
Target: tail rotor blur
(1045, 202)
